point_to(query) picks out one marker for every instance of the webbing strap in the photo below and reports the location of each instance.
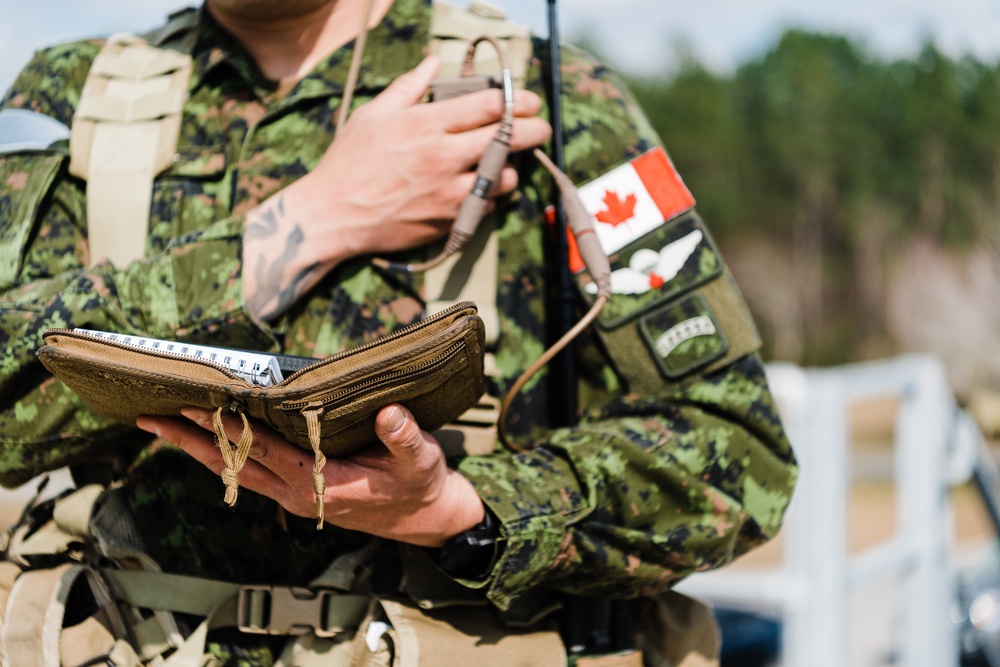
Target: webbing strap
(31, 634)
(69, 526)
(474, 433)
(452, 28)
(276, 610)
(259, 609)
(472, 274)
(125, 132)
(171, 592)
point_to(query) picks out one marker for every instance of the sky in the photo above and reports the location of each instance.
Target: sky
(639, 36)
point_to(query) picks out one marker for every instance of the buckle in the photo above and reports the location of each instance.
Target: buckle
(284, 610)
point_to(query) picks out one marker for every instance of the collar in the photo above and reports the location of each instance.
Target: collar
(394, 47)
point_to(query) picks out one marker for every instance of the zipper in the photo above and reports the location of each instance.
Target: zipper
(433, 319)
(69, 333)
(387, 379)
(416, 326)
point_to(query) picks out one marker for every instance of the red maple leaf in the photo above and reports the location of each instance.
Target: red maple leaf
(618, 211)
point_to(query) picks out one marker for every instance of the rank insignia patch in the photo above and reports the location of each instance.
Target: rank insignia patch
(684, 336)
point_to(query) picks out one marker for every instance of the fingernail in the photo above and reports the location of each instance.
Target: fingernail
(395, 419)
(147, 426)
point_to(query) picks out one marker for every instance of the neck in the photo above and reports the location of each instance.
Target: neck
(289, 46)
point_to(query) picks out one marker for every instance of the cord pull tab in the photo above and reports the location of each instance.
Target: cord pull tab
(234, 456)
(312, 414)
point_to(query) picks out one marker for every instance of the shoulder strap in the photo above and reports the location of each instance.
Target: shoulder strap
(472, 275)
(125, 132)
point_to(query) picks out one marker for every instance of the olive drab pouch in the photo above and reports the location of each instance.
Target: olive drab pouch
(434, 368)
(675, 312)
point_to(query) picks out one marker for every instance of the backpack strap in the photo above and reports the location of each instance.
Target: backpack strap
(472, 274)
(125, 132)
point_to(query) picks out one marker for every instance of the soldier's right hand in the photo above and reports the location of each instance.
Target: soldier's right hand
(392, 179)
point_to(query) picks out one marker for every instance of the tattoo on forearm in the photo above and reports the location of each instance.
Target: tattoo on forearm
(262, 222)
(273, 292)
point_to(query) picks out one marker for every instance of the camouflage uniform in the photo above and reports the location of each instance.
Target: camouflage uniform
(644, 491)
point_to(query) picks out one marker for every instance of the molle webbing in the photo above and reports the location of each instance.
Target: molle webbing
(125, 132)
(452, 28)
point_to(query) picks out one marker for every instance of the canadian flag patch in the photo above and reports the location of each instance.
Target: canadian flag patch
(635, 198)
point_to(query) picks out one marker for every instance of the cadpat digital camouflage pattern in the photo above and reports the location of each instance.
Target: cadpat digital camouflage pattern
(646, 490)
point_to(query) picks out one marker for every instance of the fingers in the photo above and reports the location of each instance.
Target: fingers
(528, 133)
(396, 428)
(483, 107)
(192, 437)
(270, 450)
(409, 88)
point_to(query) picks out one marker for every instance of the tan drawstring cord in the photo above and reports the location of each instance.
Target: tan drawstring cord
(319, 481)
(234, 457)
(355, 69)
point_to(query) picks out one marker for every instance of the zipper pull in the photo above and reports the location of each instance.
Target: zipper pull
(312, 414)
(235, 457)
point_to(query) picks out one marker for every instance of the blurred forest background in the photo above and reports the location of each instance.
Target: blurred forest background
(857, 199)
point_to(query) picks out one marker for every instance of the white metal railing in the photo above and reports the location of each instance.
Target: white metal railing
(935, 445)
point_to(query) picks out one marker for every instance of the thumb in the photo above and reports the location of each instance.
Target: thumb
(399, 431)
(408, 89)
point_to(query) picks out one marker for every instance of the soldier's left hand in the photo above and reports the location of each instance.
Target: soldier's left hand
(400, 490)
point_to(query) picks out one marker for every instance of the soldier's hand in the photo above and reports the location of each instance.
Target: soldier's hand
(392, 179)
(401, 490)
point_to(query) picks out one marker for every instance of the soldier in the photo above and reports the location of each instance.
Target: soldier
(260, 235)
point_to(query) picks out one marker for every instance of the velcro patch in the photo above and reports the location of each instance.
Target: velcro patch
(662, 265)
(684, 336)
(635, 198)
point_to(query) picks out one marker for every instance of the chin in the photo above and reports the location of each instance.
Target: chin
(267, 9)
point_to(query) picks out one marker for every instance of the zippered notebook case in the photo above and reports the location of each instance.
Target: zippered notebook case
(434, 368)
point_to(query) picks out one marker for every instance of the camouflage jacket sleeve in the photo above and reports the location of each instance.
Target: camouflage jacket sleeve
(189, 290)
(647, 488)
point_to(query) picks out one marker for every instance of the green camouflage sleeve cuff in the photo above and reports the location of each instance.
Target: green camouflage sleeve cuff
(531, 495)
